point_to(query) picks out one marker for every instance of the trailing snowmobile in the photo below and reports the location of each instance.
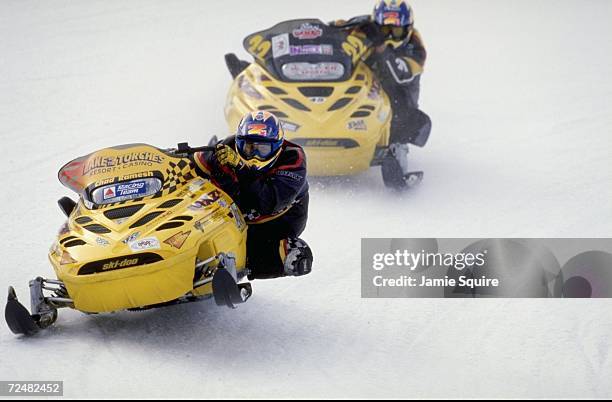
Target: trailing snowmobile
(146, 232)
(312, 77)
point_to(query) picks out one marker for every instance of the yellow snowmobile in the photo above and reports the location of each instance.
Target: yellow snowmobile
(146, 232)
(312, 77)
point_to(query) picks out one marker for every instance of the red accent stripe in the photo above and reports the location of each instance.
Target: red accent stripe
(296, 164)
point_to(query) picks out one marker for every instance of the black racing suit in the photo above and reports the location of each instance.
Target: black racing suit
(398, 68)
(274, 202)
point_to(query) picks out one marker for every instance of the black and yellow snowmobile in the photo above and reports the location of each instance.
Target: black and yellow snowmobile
(312, 77)
(146, 232)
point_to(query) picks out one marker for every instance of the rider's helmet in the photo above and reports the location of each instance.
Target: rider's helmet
(259, 139)
(395, 18)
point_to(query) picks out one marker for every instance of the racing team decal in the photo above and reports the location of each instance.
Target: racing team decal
(134, 188)
(306, 50)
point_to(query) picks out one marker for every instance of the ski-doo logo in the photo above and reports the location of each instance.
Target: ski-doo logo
(125, 263)
(308, 31)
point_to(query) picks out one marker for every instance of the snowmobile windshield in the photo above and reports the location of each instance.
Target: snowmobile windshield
(122, 173)
(302, 51)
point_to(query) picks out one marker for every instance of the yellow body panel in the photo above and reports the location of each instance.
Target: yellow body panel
(206, 229)
(337, 142)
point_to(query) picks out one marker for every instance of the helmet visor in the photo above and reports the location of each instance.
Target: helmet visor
(255, 149)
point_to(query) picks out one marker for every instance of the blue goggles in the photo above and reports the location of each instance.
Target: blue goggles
(251, 149)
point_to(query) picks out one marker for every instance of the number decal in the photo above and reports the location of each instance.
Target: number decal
(354, 47)
(259, 47)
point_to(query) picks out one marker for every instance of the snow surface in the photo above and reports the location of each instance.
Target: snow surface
(520, 95)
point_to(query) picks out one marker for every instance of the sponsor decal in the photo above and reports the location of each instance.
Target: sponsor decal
(205, 201)
(131, 238)
(280, 45)
(240, 223)
(308, 31)
(257, 129)
(125, 263)
(102, 242)
(288, 126)
(178, 239)
(208, 219)
(103, 164)
(347, 143)
(383, 114)
(402, 66)
(135, 188)
(303, 71)
(148, 243)
(392, 18)
(109, 193)
(289, 174)
(357, 125)
(306, 50)
(67, 259)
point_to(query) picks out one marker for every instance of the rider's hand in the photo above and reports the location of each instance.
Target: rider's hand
(374, 33)
(228, 157)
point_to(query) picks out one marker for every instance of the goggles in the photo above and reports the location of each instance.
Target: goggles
(250, 149)
(394, 31)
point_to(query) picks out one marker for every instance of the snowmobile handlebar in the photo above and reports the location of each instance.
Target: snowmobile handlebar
(183, 148)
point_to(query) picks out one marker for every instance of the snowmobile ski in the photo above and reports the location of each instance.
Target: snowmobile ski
(18, 318)
(227, 292)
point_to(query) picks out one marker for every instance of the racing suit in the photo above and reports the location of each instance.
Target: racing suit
(274, 202)
(398, 65)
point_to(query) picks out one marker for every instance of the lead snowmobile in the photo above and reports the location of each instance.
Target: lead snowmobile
(146, 232)
(312, 77)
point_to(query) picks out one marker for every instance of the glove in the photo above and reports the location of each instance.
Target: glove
(374, 33)
(228, 157)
